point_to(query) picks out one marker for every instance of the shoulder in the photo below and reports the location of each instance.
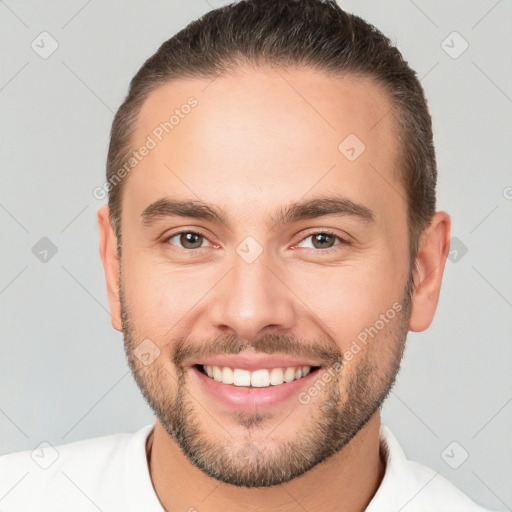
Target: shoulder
(72, 473)
(410, 486)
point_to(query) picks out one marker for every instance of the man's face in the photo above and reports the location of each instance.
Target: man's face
(263, 291)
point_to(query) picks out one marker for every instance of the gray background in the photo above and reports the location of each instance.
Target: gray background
(63, 375)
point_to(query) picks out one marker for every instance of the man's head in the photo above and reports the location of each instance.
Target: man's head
(283, 208)
(287, 34)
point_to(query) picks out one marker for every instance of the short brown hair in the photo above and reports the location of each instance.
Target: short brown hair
(289, 33)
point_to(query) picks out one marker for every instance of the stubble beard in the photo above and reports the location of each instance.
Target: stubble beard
(252, 461)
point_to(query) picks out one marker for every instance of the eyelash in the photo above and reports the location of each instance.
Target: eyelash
(314, 250)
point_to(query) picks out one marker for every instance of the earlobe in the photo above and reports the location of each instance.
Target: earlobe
(433, 248)
(110, 260)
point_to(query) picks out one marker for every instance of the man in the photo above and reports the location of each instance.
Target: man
(270, 238)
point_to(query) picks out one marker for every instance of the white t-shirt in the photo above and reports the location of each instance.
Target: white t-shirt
(111, 474)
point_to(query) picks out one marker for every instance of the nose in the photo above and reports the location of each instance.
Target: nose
(251, 299)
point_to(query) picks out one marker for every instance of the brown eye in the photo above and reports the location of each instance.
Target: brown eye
(322, 240)
(188, 239)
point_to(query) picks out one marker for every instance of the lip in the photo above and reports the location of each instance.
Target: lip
(254, 362)
(248, 399)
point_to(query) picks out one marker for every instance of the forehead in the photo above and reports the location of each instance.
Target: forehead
(258, 134)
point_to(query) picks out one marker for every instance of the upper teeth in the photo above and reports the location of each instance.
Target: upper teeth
(257, 378)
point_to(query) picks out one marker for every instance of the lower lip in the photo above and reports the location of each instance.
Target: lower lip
(247, 398)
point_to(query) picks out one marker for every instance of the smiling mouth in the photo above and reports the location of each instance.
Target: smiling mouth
(260, 378)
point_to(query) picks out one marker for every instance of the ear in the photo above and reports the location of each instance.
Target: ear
(433, 249)
(110, 259)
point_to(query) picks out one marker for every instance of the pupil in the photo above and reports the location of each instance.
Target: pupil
(321, 238)
(191, 238)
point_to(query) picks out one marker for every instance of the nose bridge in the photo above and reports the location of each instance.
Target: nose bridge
(251, 297)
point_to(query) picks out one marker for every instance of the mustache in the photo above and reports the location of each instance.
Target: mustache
(322, 349)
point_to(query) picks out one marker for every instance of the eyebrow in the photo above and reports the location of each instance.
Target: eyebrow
(312, 208)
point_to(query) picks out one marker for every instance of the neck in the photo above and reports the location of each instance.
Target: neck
(345, 482)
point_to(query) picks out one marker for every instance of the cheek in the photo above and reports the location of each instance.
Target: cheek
(351, 301)
(159, 297)
(346, 300)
